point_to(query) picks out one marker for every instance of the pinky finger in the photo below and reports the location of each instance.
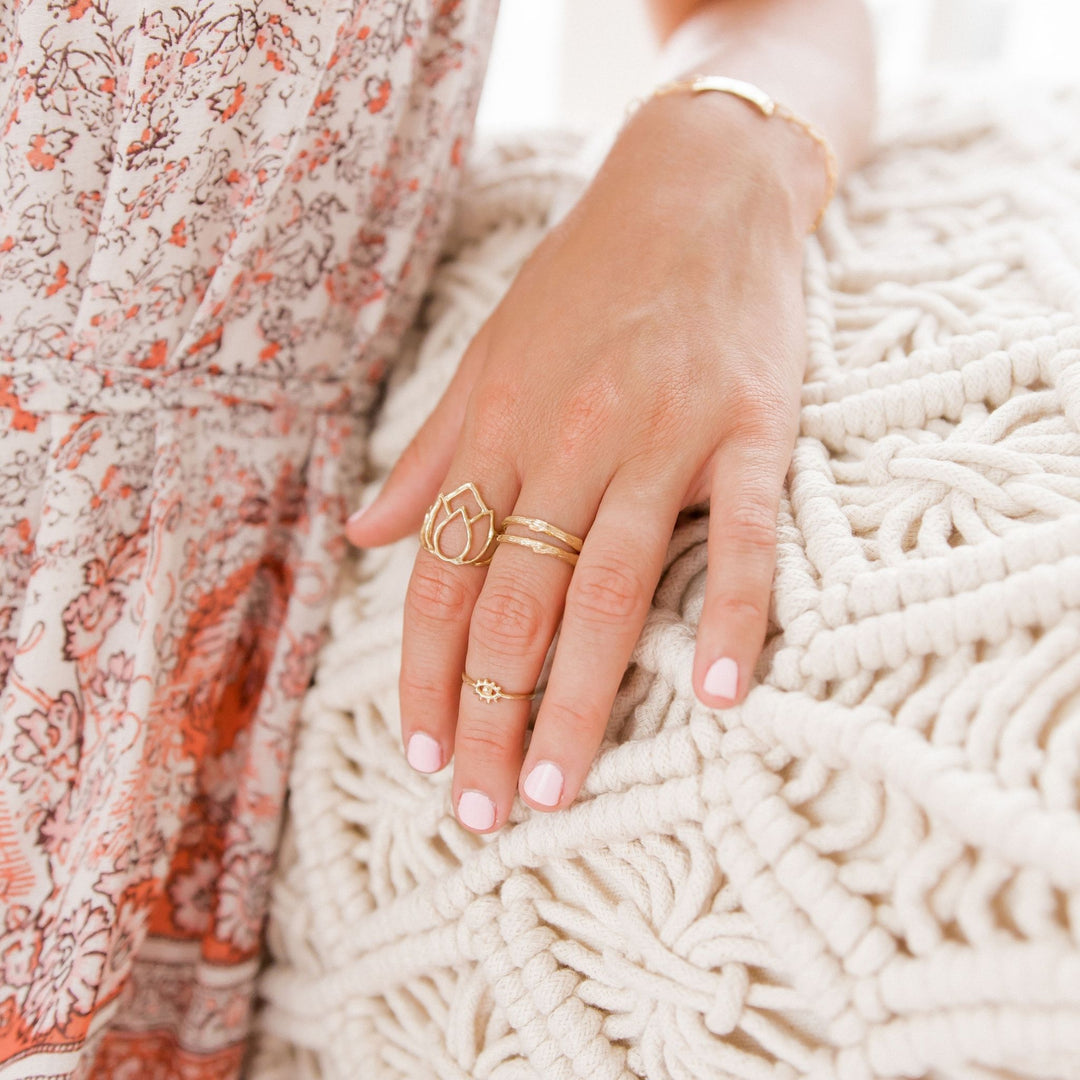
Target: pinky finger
(747, 481)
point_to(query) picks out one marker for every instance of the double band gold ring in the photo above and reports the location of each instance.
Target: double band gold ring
(541, 547)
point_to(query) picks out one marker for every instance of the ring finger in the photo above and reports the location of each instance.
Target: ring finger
(513, 623)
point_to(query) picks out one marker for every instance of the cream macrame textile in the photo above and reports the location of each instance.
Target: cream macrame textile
(872, 868)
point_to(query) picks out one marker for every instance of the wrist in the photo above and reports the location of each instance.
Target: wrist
(716, 143)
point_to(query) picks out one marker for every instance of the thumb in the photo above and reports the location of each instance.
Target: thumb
(413, 483)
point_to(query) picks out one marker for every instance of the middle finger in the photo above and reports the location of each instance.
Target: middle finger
(513, 623)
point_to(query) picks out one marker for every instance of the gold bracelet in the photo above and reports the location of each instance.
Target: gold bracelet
(757, 97)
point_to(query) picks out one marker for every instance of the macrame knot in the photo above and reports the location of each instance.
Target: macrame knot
(877, 460)
(730, 999)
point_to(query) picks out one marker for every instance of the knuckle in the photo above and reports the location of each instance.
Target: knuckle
(491, 419)
(484, 742)
(416, 690)
(754, 423)
(671, 401)
(762, 413)
(741, 609)
(585, 414)
(506, 618)
(751, 525)
(436, 596)
(607, 591)
(567, 716)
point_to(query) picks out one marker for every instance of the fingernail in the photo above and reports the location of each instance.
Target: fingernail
(476, 811)
(366, 502)
(722, 679)
(356, 515)
(544, 783)
(424, 754)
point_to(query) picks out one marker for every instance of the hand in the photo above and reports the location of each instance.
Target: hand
(648, 356)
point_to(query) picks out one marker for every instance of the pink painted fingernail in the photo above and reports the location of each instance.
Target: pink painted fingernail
(476, 811)
(424, 754)
(544, 783)
(356, 516)
(366, 503)
(722, 679)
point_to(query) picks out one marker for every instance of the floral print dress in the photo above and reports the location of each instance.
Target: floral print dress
(216, 219)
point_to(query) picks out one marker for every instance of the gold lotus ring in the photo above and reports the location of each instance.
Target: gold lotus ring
(464, 506)
(541, 547)
(489, 691)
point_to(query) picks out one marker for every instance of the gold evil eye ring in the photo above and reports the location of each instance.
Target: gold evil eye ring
(489, 691)
(442, 512)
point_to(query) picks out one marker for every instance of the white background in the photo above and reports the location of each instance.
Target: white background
(576, 63)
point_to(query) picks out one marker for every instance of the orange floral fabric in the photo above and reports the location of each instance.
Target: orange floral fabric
(217, 219)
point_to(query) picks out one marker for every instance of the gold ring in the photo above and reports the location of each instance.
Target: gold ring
(538, 546)
(489, 691)
(442, 512)
(541, 526)
(538, 525)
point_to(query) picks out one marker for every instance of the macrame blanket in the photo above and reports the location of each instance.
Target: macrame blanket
(872, 868)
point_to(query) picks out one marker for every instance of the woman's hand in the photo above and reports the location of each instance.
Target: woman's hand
(648, 357)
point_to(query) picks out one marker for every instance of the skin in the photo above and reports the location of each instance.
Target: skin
(648, 357)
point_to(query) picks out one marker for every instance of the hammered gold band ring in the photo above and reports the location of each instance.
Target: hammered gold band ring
(489, 691)
(538, 546)
(540, 526)
(541, 547)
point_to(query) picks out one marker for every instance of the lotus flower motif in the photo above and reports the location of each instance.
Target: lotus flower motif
(476, 520)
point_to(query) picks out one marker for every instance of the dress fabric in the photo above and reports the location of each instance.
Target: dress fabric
(216, 220)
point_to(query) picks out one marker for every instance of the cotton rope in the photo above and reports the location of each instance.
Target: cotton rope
(872, 868)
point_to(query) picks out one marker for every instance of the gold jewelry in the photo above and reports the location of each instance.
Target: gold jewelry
(539, 546)
(540, 526)
(767, 106)
(441, 513)
(489, 691)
